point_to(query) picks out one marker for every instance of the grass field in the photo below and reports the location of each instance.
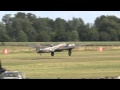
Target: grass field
(82, 64)
(114, 43)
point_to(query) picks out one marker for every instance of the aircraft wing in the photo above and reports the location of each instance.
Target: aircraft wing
(67, 47)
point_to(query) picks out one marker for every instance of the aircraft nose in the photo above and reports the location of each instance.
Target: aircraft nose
(39, 51)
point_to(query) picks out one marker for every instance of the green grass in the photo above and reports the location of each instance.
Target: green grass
(97, 43)
(82, 64)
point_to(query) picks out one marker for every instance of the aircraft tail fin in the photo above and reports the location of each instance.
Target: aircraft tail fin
(38, 46)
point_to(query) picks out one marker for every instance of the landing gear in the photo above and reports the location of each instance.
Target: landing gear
(69, 52)
(52, 53)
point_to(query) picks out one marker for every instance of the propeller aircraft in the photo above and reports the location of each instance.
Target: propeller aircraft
(55, 48)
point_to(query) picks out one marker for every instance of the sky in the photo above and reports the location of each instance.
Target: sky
(87, 16)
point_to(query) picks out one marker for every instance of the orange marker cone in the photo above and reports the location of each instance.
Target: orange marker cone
(100, 49)
(5, 51)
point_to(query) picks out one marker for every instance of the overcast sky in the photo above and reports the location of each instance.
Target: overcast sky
(87, 16)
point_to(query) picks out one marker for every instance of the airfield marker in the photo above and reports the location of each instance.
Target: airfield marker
(100, 49)
(5, 51)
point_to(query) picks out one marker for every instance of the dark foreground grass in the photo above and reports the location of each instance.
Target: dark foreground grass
(82, 64)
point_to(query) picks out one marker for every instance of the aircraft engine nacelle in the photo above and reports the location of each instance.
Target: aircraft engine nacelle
(52, 49)
(71, 45)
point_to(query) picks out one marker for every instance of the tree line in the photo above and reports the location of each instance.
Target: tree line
(30, 28)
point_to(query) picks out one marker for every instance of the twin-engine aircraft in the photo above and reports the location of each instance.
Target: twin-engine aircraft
(55, 48)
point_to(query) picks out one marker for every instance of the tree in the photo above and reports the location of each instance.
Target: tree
(61, 35)
(3, 34)
(52, 36)
(113, 33)
(93, 34)
(74, 24)
(27, 27)
(29, 30)
(73, 36)
(21, 36)
(60, 24)
(109, 25)
(16, 27)
(83, 32)
(118, 33)
(20, 15)
(6, 18)
(43, 36)
(31, 17)
(104, 36)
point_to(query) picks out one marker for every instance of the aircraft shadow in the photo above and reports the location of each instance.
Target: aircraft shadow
(39, 58)
(46, 58)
